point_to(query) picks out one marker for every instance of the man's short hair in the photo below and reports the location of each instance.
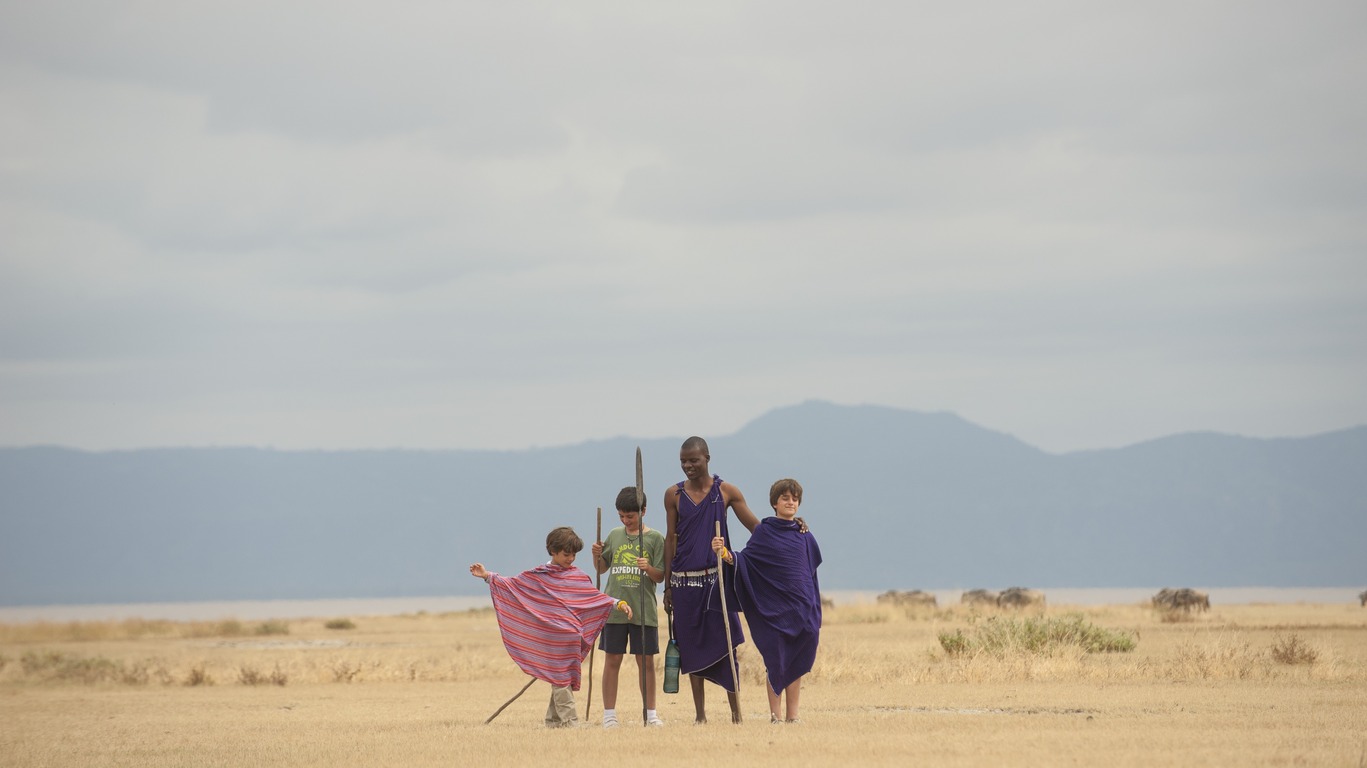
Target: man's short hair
(695, 443)
(563, 539)
(626, 500)
(786, 485)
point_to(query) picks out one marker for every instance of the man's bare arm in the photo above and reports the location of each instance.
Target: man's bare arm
(671, 543)
(736, 500)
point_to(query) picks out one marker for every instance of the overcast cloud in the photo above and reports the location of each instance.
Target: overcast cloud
(498, 225)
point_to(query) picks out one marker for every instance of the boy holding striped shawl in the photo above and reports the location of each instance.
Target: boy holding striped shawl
(549, 617)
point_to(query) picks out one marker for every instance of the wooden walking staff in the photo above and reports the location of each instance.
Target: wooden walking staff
(641, 552)
(510, 701)
(726, 621)
(598, 585)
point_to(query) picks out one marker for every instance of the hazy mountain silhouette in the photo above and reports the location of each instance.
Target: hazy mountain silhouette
(898, 499)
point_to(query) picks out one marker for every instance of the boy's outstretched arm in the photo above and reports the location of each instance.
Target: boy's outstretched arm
(477, 570)
(671, 544)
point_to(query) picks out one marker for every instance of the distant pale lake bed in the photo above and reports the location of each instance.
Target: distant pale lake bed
(395, 606)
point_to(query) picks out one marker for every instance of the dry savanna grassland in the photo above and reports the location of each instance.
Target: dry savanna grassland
(1240, 685)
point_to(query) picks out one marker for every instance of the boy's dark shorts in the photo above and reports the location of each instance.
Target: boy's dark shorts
(614, 639)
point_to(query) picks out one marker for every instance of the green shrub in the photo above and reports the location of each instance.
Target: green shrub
(54, 665)
(955, 643)
(64, 667)
(198, 675)
(1293, 650)
(273, 628)
(229, 628)
(341, 624)
(1001, 636)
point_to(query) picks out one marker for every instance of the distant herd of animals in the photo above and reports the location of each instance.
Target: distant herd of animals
(1167, 599)
(1012, 597)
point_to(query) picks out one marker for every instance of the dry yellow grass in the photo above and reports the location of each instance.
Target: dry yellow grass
(1268, 685)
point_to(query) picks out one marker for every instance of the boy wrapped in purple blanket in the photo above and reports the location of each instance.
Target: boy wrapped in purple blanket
(778, 590)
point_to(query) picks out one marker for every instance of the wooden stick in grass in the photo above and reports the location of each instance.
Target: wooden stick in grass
(510, 701)
(598, 584)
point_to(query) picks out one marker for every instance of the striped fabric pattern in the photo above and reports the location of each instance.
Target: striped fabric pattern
(549, 617)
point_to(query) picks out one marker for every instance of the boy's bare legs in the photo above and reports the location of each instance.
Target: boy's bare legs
(699, 707)
(649, 662)
(793, 693)
(612, 668)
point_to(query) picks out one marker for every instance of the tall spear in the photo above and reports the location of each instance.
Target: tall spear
(641, 547)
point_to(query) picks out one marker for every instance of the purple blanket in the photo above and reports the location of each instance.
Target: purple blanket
(779, 594)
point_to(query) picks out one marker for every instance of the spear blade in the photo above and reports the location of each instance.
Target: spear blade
(640, 483)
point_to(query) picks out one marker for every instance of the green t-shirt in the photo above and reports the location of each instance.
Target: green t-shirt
(624, 578)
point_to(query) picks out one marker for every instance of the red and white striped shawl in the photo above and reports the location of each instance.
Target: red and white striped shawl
(549, 617)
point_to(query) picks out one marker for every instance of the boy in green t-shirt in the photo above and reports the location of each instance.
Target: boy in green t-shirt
(620, 555)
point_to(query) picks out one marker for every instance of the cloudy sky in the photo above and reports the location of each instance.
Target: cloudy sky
(500, 225)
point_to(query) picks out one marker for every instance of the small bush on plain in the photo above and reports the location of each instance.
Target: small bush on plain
(955, 643)
(252, 676)
(1293, 650)
(198, 675)
(1000, 636)
(228, 628)
(273, 628)
(54, 665)
(341, 624)
(1216, 661)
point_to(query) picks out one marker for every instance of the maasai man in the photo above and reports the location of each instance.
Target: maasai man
(692, 510)
(549, 617)
(779, 593)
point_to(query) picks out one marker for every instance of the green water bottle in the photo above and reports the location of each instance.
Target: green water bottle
(672, 667)
(671, 661)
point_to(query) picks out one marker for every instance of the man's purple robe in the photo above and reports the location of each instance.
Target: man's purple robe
(699, 623)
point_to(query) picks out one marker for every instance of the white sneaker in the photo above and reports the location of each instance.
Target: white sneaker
(610, 722)
(655, 722)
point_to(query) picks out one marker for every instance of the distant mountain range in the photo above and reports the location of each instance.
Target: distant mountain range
(897, 499)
